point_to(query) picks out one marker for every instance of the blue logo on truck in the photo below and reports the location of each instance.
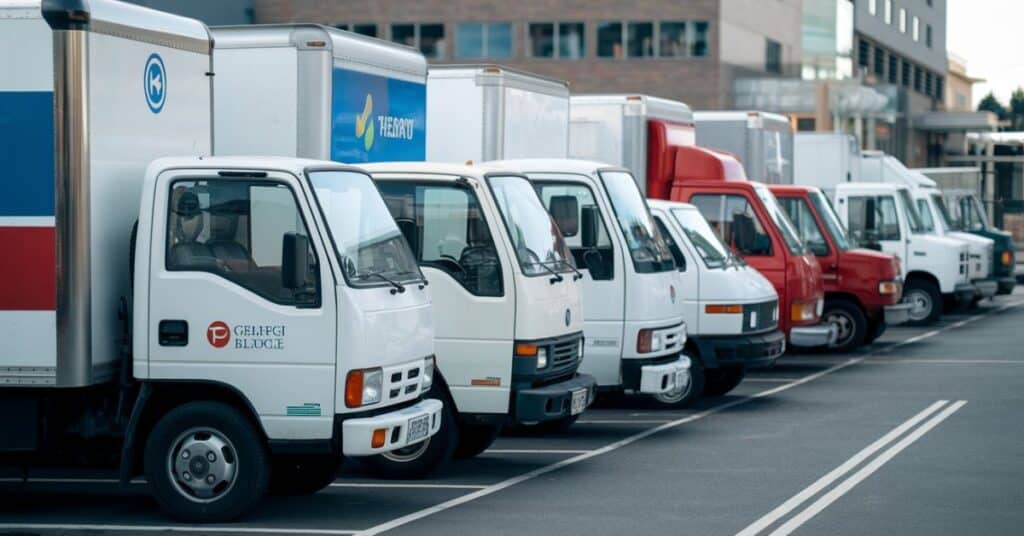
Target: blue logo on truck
(377, 119)
(154, 83)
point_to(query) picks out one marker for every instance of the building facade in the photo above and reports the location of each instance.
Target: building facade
(690, 51)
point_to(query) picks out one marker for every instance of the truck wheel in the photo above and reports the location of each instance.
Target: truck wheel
(206, 463)
(302, 475)
(421, 459)
(474, 439)
(849, 320)
(681, 398)
(926, 301)
(720, 381)
(875, 330)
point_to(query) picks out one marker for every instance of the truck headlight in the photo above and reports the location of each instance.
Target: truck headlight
(428, 373)
(888, 288)
(819, 307)
(802, 311)
(647, 341)
(542, 358)
(580, 352)
(363, 387)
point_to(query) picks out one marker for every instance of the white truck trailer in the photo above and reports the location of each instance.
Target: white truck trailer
(495, 113)
(509, 323)
(824, 159)
(762, 141)
(186, 318)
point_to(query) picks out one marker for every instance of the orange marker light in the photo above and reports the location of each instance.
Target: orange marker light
(354, 389)
(525, 349)
(723, 309)
(378, 438)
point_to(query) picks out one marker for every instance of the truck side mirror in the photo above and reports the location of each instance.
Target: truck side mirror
(590, 224)
(294, 260)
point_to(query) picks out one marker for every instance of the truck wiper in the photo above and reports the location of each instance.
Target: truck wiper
(399, 288)
(577, 274)
(557, 276)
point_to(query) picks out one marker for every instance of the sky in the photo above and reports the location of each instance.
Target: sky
(989, 34)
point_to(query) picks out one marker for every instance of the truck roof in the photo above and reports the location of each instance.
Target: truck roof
(739, 115)
(347, 46)
(870, 186)
(655, 107)
(120, 18)
(477, 171)
(792, 188)
(669, 205)
(554, 165)
(285, 163)
(503, 76)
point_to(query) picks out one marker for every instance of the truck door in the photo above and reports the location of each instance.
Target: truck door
(240, 293)
(874, 223)
(686, 263)
(809, 226)
(575, 207)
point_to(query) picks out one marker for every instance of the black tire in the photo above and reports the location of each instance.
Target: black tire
(875, 330)
(474, 439)
(927, 302)
(851, 322)
(694, 390)
(230, 438)
(721, 381)
(302, 475)
(424, 458)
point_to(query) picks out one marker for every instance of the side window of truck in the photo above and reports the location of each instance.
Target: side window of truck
(574, 207)
(872, 218)
(800, 214)
(237, 230)
(446, 230)
(735, 222)
(677, 254)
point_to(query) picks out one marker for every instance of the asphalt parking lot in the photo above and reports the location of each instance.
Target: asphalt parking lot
(919, 434)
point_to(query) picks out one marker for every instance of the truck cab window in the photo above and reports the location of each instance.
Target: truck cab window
(677, 254)
(735, 222)
(573, 206)
(446, 230)
(806, 226)
(867, 229)
(236, 229)
(923, 210)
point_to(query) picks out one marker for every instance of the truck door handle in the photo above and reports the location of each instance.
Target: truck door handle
(173, 333)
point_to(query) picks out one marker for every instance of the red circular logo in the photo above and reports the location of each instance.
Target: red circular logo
(219, 334)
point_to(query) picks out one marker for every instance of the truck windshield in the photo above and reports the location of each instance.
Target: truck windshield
(913, 218)
(710, 248)
(539, 244)
(973, 216)
(786, 229)
(369, 246)
(827, 213)
(646, 246)
(923, 210)
(945, 220)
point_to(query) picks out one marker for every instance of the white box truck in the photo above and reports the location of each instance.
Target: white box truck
(731, 310)
(186, 318)
(762, 141)
(633, 315)
(494, 113)
(823, 159)
(508, 318)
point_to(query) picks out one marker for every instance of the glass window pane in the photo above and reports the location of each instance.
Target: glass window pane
(404, 34)
(542, 40)
(432, 43)
(646, 246)
(806, 226)
(677, 254)
(568, 203)
(469, 40)
(609, 40)
(570, 40)
(535, 237)
(673, 40)
(640, 39)
(499, 40)
(699, 39)
(365, 29)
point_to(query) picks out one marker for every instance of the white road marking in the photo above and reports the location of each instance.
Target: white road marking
(948, 361)
(835, 493)
(535, 451)
(795, 501)
(767, 380)
(624, 421)
(400, 485)
(170, 528)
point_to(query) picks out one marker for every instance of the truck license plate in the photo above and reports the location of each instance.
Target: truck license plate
(418, 428)
(579, 401)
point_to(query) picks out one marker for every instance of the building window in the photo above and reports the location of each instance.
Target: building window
(939, 88)
(872, 7)
(555, 40)
(863, 53)
(672, 40)
(918, 79)
(428, 38)
(888, 11)
(640, 39)
(916, 29)
(773, 56)
(928, 35)
(928, 83)
(698, 39)
(905, 78)
(475, 40)
(903, 20)
(362, 29)
(879, 61)
(570, 40)
(806, 124)
(542, 39)
(610, 40)
(894, 67)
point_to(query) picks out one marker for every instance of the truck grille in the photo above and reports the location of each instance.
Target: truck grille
(564, 351)
(402, 382)
(759, 316)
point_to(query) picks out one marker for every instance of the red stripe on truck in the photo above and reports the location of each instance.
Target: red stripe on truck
(28, 269)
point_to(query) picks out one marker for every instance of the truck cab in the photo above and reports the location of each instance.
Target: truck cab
(731, 310)
(966, 213)
(507, 299)
(863, 288)
(633, 317)
(883, 216)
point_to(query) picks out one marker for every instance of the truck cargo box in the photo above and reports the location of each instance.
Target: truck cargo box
(762, 141)
(95, 92)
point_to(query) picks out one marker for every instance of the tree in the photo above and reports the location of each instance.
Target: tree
(991, 104)
(1017, 110)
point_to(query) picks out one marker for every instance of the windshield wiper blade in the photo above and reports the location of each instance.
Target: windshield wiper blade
(557, 276)
(577, 275)
(398, 287)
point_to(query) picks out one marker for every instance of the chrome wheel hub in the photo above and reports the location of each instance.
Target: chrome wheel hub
(202, 465)
(409, 453)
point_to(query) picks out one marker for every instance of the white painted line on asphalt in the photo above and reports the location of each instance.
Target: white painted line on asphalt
(170, 528)
(950, 361)
(795, 501)
(624, 421)
(535, 451)
(768, 380)
(404, 486)
(845, 486)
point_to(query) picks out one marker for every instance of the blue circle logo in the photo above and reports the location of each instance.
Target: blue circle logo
(154, 83)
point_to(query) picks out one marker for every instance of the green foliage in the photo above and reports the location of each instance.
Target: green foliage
(1012, 114)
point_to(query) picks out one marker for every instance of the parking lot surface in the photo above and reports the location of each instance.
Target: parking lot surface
(920, 433)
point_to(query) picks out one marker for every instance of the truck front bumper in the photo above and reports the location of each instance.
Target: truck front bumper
(813, 336)
(555, 401)
(656, 376)
(1006, 285)
(748, 351)
(897, 313)
(964, 292)
(357, 434)
(985, 288)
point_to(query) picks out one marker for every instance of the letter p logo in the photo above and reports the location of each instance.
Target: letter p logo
(218, 334)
